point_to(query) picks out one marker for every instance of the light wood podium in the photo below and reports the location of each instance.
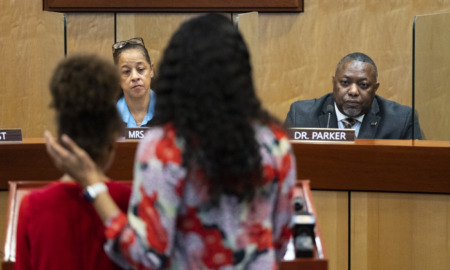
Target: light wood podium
(18, 189)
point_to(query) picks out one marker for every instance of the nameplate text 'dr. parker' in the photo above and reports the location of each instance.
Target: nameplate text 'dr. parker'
(321, 134)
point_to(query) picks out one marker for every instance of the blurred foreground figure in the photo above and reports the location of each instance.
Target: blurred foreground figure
(58, 228)
(213, 178)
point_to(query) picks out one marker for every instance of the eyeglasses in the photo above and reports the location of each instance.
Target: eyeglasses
(119, 45)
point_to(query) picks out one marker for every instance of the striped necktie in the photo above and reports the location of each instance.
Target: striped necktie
(348, 122)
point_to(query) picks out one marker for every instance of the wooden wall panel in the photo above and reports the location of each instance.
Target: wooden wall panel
(90, 33)
(332, 215)
(31, 43)
(248, 25)
(297, 52)
(392, 231)
(432, 73)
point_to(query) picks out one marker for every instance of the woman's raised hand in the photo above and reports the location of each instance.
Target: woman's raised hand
(72, 160)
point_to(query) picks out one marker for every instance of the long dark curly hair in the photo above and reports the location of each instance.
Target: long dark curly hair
(205, 90)
(84, 90)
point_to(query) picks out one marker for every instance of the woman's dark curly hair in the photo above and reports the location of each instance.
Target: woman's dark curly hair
(84, 90)
(205, 90)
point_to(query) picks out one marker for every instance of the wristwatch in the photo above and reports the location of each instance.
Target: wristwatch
(92, 191)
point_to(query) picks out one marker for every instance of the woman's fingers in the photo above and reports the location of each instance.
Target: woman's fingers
(61, 156)
(82, 158)
(71, 145)
(71, 159)
(53, 149)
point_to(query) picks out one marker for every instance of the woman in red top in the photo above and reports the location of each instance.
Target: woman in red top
(58, 228)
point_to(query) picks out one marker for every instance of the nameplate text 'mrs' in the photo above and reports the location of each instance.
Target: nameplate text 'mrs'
(135, 133)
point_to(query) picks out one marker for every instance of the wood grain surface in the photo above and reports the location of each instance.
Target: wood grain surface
(432, 70)
(297, 52)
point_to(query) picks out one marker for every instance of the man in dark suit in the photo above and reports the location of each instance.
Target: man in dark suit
(354, 104)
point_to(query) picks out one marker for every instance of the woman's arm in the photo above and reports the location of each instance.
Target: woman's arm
(142, 238)
(283, 209)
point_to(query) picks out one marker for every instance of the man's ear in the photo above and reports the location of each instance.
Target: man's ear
(376, 86)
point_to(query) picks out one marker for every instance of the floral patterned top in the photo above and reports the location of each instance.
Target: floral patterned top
(171, 223)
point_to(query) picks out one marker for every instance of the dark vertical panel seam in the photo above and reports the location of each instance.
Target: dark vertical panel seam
(65, 36)
(115, 27)
(413, 77)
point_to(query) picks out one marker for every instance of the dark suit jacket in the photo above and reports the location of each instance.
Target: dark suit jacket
(385, 120)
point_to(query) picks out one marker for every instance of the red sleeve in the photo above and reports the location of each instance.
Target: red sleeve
(120, 193)
(23, 260)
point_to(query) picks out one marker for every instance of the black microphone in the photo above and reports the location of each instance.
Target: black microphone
(329, 111)
(303, 231)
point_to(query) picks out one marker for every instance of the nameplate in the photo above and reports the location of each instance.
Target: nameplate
(10, 135)
(134, 133)
(321, 134)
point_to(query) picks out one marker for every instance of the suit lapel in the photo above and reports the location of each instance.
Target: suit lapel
(323, 119)
(371, 121)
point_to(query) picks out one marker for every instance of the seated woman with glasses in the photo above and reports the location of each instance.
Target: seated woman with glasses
(214, 177)
(137, 101)
(58, 227)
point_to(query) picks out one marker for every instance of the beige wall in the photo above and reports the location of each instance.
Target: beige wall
(297, 52)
